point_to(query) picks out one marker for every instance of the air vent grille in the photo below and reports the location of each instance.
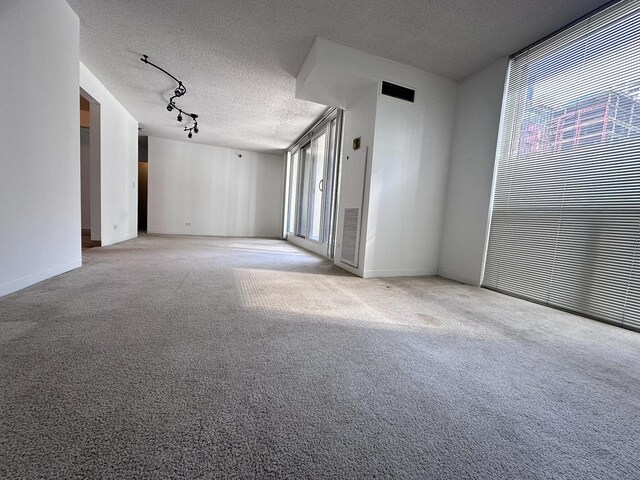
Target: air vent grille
(398, 91)
(349, 252)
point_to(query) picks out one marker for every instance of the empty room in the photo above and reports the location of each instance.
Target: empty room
(307, 240)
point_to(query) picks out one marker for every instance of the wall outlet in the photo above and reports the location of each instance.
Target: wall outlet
(187, 224)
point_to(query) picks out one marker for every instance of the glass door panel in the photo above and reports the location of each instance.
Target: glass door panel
(293, 194)
(318, 148)
(305, 188)
(329, 182)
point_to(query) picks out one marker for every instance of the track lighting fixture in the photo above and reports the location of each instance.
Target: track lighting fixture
(177, 93)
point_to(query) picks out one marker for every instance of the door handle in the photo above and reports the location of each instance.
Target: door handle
(321, 184)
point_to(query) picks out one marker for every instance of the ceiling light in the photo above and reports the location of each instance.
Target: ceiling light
(178, 92)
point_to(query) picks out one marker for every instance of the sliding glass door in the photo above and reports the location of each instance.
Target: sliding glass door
(311, 186)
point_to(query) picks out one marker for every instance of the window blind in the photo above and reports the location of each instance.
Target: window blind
(565, 221)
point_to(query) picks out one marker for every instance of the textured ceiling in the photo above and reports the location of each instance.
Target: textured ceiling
(239, 58)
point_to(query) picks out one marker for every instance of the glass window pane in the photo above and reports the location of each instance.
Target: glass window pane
(319, 154)
(564, 224)
(329, 182)
(293, 191)
(303, 197)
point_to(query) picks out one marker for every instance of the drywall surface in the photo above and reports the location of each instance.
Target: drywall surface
(118, 150)
(359, 121)
(471, 174)
(197, 189)
(408, 178)
(39, 162)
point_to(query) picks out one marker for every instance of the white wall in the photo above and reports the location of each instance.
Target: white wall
(359, 121)
(118, 150)
(471, 174)
(408, 178)
(214, 190)
(39, 142)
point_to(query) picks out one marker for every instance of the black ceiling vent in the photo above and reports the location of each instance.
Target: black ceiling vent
(397, 91)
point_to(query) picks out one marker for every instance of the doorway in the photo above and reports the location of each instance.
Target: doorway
(90, 171)
(143, 175)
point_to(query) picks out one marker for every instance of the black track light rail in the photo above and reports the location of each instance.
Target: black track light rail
(177, 93)
(145, 59)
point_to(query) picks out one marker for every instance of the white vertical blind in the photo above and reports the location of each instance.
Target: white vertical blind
(565, 224)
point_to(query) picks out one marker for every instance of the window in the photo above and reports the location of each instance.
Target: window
(565, 223)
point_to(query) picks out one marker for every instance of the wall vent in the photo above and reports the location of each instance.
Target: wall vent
(398, 91)
(349, 251)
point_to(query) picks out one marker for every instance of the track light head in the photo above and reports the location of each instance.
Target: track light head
(195, 129)
(180, 117)
(169, 107)
(190, 134)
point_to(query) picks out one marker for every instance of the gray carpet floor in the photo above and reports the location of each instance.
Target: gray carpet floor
(194, 357)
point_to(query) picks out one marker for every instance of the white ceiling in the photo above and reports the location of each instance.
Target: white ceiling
(239, 58)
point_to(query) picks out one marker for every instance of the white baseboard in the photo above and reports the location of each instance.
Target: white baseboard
(402, 272)
(459, 278)
(24, 282)
(119, 240)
